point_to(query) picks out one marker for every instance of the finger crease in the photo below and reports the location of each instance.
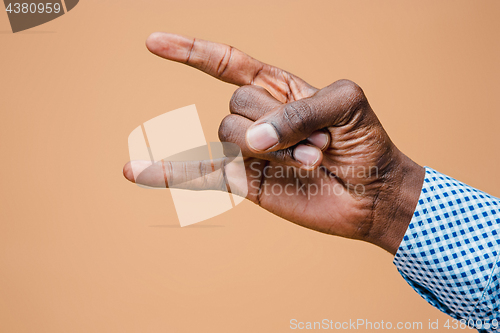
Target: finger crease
(291, 118)
(223, 65)
(202, 175)
(257, 74)
(289, 94)
(190, 51)
(165, 173)
(224, 177)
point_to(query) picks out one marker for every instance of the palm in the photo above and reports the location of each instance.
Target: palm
(297, 204)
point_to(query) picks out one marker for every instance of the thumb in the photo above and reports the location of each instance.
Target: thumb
(291, 123)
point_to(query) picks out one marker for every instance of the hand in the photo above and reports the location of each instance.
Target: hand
(337, 169)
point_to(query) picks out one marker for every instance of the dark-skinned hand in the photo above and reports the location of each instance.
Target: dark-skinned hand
(338, 171)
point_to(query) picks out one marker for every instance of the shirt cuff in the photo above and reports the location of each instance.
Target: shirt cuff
(450, 251)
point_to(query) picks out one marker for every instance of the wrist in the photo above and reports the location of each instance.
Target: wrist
(396, 202)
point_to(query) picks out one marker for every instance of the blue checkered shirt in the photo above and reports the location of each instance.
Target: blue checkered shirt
(450, 251)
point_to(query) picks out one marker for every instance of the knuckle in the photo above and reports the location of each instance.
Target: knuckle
(226, 129)
(352, 93)
(296, 115)
(240, 99)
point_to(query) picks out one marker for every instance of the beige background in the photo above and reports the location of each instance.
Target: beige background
(83, 250)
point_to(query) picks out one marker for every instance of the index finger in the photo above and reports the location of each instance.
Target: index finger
(228, 64)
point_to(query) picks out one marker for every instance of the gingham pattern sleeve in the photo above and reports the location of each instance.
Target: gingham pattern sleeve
(450, 251)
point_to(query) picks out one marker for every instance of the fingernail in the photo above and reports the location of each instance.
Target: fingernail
(262, 137)
(319, 139)
(306, 155)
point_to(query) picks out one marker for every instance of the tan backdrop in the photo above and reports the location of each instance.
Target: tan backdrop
(83, 250)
